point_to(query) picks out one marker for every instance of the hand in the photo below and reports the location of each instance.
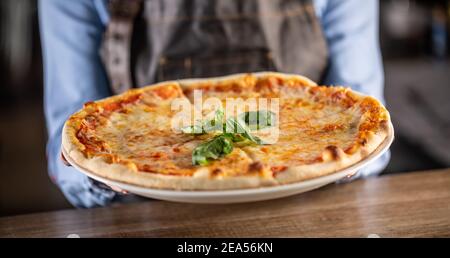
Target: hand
(117, 189)
(114, 188)
(64, 160)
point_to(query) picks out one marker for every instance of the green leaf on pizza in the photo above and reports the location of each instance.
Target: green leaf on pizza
(233, 130)
(216, 148)
(206, 126)
(238, 127)
(256, 120)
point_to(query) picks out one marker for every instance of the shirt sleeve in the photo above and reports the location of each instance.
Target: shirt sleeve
(71, 34)
(351, 31)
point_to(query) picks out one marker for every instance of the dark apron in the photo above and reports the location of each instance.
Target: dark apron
(156, 40)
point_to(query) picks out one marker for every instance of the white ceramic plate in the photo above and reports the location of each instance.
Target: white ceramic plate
(243, 195)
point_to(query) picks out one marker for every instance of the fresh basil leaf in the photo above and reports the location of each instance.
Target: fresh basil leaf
(236, 126)
(193, 129)
(207, 126)
(234, 130)
(235, 137)
(216, 148)
(215, 123)
(256, 120)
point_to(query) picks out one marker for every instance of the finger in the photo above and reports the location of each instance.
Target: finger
(64, 160)
(119, 190)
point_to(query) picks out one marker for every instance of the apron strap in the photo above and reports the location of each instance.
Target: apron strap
(116, 46)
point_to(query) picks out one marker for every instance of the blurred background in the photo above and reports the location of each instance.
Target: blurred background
(415, 44)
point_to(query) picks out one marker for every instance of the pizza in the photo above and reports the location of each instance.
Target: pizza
(312, 131)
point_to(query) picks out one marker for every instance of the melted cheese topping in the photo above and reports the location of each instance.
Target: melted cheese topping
(306, 129)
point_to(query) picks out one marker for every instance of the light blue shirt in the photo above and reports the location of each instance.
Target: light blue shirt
(71, 33)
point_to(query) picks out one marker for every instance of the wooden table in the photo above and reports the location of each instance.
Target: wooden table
(402, 205)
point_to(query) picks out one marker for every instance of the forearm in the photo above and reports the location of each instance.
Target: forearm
(71, 34)
(351, 30)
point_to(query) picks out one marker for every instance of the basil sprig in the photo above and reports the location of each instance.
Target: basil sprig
(216, 148)
(233, 130)
(256, 120)
(238, 127)
(206, 126)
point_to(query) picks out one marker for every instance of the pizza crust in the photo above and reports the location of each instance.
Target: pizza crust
(334, 159)
(305, 172)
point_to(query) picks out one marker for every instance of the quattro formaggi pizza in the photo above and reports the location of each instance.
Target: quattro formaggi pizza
(302, 131)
